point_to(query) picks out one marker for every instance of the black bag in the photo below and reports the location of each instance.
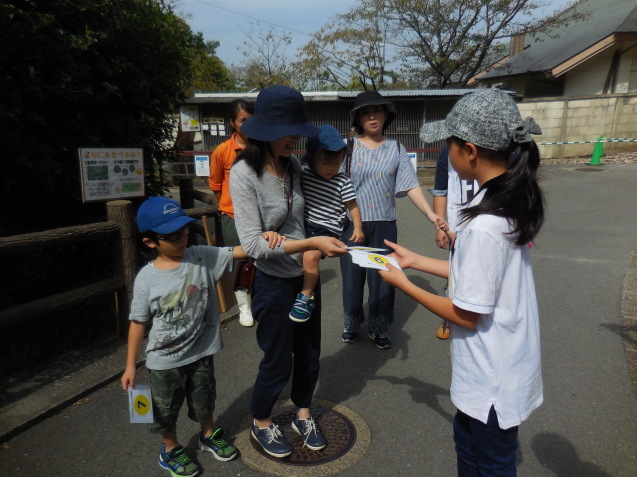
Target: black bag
(244, 277)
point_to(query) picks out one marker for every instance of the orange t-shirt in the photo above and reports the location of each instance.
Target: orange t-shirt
(220, 163)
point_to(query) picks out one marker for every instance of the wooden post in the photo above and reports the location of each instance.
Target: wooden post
(185, 194)
(124, 256)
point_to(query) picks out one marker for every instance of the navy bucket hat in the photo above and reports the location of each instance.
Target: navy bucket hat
(278, 112)
(372, 98)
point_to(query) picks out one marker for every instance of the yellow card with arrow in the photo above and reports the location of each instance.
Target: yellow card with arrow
(140, 404)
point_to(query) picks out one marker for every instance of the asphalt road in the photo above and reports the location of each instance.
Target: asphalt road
(587, 426)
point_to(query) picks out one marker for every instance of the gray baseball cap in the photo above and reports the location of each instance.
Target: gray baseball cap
(488, 118)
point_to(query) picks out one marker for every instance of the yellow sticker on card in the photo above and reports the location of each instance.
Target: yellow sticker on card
(379, 259)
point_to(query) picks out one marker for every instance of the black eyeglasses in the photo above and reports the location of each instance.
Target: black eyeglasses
(175, 236)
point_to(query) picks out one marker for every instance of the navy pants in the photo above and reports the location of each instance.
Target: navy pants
(484, 450)
(289, 348)
(381, 295)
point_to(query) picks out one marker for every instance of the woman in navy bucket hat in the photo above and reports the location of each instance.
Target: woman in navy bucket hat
(266, 190)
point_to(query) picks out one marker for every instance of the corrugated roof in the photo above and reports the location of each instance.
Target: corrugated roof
(205, 98)
(603, 18)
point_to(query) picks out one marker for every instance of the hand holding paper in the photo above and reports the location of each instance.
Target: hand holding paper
(367, 259)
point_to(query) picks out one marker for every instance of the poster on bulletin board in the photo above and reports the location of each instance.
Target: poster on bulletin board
(111, 173)
(189, 118)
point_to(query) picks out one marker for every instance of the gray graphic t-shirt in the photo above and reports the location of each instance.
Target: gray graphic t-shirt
(181, 306)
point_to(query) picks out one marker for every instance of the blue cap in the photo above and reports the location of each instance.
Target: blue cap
(161, 215)
(328, 139)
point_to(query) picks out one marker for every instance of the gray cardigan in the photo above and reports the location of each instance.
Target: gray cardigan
(259, 206)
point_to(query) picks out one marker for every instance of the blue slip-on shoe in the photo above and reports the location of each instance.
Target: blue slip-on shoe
(220, 448)
(177, 462)
(271, 440)
(310, 432)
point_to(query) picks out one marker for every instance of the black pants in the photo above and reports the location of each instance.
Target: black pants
(289, 348)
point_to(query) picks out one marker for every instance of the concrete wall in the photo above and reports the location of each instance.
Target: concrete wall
(583, 118)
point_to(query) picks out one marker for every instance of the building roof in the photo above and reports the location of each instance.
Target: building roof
(559, 50)
(205, 98)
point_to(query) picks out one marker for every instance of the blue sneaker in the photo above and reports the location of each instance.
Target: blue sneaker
(177, 462)
(310, 432)
(381, 339)
(219, 447)
(302, 308)
(272, 441)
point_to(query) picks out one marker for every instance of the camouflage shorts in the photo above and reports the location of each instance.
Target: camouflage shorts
(194, 382)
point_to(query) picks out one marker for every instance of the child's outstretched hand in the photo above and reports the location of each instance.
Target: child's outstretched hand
(357, 236)
(274, 238)
(438, 221)
(405, 257)
(394, 276)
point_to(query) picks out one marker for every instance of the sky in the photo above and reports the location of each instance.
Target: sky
(227, 22)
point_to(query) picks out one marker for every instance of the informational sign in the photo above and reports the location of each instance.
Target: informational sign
(189, 118)
(140, 404)
(111, 173)
(202, 165)
(413, 157)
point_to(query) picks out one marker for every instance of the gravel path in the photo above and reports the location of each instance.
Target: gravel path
(615, 158)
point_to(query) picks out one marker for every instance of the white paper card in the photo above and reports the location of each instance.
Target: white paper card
(372, 260)
(367, 249)
(202, 166)
(140, 404)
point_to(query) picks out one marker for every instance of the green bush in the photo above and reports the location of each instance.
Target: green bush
(77, 74)
(84, 73)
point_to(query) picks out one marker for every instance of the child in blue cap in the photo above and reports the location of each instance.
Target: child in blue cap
(328, 193)
(176, 294)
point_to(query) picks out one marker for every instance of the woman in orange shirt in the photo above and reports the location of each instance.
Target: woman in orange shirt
(220, 163)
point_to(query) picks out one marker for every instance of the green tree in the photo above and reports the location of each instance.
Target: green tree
(350, 52)
(84, 73)
(209, 72)
(436, 43)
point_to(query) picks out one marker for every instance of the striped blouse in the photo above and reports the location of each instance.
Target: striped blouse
(380, 176)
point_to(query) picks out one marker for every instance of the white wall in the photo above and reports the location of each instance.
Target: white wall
(589, 77)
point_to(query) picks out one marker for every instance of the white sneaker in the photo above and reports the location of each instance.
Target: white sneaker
(245, 308)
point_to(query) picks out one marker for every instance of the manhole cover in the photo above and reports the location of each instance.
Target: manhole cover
(589, 169)
(347, 436)
(339, 433)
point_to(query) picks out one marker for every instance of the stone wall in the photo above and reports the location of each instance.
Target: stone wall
(583, 118)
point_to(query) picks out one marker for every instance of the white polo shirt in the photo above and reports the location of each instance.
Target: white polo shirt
(498, 363)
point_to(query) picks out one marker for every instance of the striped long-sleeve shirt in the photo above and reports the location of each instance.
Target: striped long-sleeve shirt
(325, 199)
